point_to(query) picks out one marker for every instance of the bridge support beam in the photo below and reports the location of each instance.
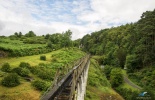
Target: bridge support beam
(81, 87)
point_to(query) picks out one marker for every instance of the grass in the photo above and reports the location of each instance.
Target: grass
(17, 44)
(98, 87)
(25, 91)
(32, 60)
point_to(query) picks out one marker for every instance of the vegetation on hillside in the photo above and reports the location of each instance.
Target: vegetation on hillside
(98, 87)
(18, 45)
(131, 46)
(38, 77)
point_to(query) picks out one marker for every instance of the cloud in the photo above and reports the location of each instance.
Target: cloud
(80, 16)
(2, 26)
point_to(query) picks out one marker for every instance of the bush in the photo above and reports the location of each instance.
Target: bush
(116, 77)
(21, 71)
(16, 70)
(6, 67)
(45, 74)
(11, 80)
(40, 85)
(24, 64)
(24, 72)
(43, 57)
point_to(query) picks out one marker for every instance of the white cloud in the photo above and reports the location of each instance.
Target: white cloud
(80, 16)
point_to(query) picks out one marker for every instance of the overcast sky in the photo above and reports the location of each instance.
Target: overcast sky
(80, 16)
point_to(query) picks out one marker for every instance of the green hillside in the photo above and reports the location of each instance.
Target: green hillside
(98, 87)
(41, 72)
(130, 47)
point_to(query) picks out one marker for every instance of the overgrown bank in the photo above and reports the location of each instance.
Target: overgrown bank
(98, 87)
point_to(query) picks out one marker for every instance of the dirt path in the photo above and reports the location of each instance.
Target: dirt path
(131, 83)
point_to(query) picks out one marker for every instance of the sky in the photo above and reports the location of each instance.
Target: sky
(80, 16)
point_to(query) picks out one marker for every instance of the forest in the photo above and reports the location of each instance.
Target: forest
(130, 47)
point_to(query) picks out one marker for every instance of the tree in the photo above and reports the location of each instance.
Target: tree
(47, 36)
(146, 45)
(66, 42)
(116, 77)
(20, 34)
(132, 62)
(121, 56)
(30, 34)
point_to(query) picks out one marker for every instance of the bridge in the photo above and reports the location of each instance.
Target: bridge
(72, 85)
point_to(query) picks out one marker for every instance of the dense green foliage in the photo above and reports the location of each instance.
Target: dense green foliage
(144, 77)
(98, 87)
(18, 48)
(6, 67)
(130, 46)
(24, 65)
(134, 95)
(10, 80)
(107, 71)
(43, 72)
(96, 77)
(21, 71)
(57, 41)
(134, 40)
(18, 45)
(116, 77)
(40, 85)
(43, 57)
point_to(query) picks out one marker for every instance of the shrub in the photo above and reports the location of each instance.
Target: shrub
(16, 70)
(21, 71)
(11, 80)
(40, 85)
(6, 67)
(45, 74)
(43, 57)
(24, 72)
(24, 64)
(116, 77)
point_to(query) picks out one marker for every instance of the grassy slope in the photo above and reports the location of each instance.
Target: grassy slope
(98, 87)
(33, 60)
(25, 91)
